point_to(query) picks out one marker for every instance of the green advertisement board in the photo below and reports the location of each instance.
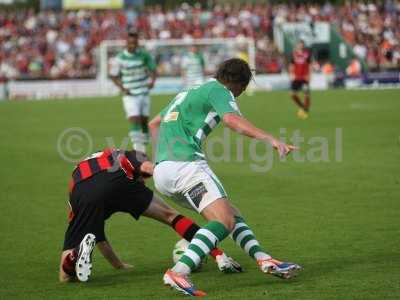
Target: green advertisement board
(93, 4)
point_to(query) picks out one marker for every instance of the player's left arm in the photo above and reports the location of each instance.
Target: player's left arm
(244, 127)
(153, 77)
(151, 66)
(109, 254)
(309, 62)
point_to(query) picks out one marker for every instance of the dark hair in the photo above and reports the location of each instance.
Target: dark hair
(234, 70)
(133, 34)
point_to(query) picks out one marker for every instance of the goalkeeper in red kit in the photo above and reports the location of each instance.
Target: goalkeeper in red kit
(299, 72)
(112, 181)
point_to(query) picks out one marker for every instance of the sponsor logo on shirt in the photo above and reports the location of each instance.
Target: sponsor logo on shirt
(172, 116)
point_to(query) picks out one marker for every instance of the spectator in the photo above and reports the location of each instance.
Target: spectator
(62, 44)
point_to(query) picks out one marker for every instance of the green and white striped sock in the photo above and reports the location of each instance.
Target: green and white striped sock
(245, 238)
(202, 243)
(135, 132)
(137, 137)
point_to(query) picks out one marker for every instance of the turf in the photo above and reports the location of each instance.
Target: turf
(339, 219)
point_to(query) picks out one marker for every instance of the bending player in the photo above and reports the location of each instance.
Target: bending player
(299, 72)
(182, 172)
(112, 181)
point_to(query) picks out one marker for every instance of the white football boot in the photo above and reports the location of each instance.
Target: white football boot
(284, 270)
(83, 265)
(227, 264)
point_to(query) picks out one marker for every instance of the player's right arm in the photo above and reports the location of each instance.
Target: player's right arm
(226, 107)
(115, 76)
(109, 254)
(117, 81)
(243, 126)
(154, 126)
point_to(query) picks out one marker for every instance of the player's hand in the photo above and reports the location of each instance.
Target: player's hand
(282, 148)
(125, 266)
(125, 91)
(151, 84)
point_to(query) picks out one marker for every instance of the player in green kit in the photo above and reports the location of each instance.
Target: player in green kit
(134, 73)
(192, 68)
(183, 173)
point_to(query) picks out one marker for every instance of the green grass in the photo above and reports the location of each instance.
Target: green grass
(340, 220)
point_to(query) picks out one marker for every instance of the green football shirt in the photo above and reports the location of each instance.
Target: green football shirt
(133, 69)
(190, 118)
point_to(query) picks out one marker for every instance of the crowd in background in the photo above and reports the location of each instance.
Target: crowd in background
(374, 33)
(63, 44)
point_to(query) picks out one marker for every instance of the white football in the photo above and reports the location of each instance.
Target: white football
(179, 248)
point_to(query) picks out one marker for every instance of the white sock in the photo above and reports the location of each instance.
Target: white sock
(181, 268)
(261, 256)
(139, 147)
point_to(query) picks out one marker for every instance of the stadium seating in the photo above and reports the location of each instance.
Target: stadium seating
(62, 44)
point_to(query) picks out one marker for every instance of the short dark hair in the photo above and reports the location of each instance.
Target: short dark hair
(234, 70)
(133, 34)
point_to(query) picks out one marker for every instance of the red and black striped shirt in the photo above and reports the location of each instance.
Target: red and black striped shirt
(110, 160)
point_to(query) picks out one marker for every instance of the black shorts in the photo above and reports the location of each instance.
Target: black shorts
(297, 85)
(94, 200)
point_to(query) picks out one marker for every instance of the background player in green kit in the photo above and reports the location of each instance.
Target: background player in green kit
(192, 68)
(183, 173)
(134, 72)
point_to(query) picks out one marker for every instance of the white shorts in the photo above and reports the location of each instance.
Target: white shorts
(191, 184)
(136, 105)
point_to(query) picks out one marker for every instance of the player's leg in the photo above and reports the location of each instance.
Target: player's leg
(301, 85)
(207, 196)
(187, 228)
(86, 223)
(145, 128)
(220, 221)
(222, 212)
(76, 261)
(246, 239)
(307, 96)
(136, 134)
(295, 87)
(133, 113)
(192, 186)
(145, 112)
(195, 183)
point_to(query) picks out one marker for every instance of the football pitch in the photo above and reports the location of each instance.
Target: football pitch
(334, 208)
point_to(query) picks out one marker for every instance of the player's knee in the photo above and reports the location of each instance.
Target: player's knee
(135, 119)
(221, 211)
(230, 223)
(170, 215)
